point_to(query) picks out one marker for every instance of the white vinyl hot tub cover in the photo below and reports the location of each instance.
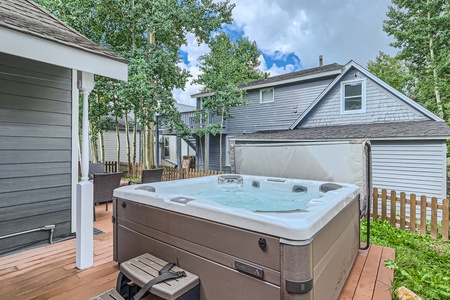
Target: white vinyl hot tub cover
(343, 161)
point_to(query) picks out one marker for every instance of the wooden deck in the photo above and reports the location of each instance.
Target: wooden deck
(49, 272)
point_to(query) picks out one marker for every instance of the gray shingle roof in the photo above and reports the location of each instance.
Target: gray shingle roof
(420, 129)
(297, 74)
(27, 17)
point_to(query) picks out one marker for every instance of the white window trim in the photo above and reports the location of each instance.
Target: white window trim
(260, 95)
(363, 96)
(166, 145)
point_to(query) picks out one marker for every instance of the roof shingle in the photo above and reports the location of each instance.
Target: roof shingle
(416, 129)
(27, 17)
(297, 74)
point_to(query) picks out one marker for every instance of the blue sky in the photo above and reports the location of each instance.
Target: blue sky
(291, 34)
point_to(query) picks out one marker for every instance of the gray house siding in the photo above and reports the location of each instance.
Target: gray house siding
(258, 116)
(214, 153)
(410, 166)
(35, 150)
(274, 115)
(381, 106)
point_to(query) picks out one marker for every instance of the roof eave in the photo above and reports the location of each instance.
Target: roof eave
(31, 47)
(409, 138)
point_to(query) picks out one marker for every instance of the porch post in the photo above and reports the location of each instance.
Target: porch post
(85, 189)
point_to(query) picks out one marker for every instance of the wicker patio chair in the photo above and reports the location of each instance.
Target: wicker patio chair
(95, 168)
(104, 185)
(151, 175)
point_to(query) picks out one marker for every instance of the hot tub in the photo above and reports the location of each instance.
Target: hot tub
(301, 244)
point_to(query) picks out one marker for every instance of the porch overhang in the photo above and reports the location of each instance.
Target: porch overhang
(39, 49)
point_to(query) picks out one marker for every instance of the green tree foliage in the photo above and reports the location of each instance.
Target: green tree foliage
(394, 72)
(228, 64)
(422, 34)
(149, 33)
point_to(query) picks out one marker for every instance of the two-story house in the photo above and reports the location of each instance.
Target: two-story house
(341, 103)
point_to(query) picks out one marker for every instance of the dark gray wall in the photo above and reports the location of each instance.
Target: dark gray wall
(35, 150)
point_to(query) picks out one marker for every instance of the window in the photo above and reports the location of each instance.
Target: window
(353, 96)
(266, 95)
(166, 147)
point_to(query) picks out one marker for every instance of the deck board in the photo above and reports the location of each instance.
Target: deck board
(49, 272)
(369, 277)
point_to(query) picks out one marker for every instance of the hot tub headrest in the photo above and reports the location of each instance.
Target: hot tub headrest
(299, 189)
(224, 179)
(147, 188)
(326, 187)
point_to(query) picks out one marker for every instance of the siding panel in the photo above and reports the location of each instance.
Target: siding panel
(17, 198)
(279, 114)
(410, 167)
(34, 130)
(110, 140)
(35, 150)
(381, 106)
(31, 156)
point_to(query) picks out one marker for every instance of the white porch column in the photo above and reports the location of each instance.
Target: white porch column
(85, 189)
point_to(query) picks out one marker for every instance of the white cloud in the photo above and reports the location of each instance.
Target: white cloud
(340, 30)
(194, 51)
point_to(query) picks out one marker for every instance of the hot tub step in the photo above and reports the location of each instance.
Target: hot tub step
(146, 267)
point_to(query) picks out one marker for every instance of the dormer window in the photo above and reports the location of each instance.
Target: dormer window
(266, 95)
(353, 96)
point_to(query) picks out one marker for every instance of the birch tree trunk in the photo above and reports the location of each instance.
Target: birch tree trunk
(134, 141)
(220, 141)
(102, 146)
(93, 148)
(151, 144)
(127, 141)
(435, 76)
(118, 143)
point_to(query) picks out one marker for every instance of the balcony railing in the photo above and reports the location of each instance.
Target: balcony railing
(192, 121)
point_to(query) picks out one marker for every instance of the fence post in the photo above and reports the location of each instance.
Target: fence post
(445, 217)
(402, 210)
(423, 215)
(434, 218)
(393, 208)
(375, 204)
(383, 204)
(412, 215)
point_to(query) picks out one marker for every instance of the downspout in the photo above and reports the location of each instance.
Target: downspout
(47, 227)
(368, 152)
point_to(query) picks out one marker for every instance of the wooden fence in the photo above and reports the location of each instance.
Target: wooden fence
(412, 207)
(169, 173)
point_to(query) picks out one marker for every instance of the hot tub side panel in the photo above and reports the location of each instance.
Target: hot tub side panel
(210, 250)
(205, 248)
(335, 248)
(326, 259)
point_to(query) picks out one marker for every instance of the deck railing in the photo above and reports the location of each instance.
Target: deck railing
(192, 120)
(411, 213)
